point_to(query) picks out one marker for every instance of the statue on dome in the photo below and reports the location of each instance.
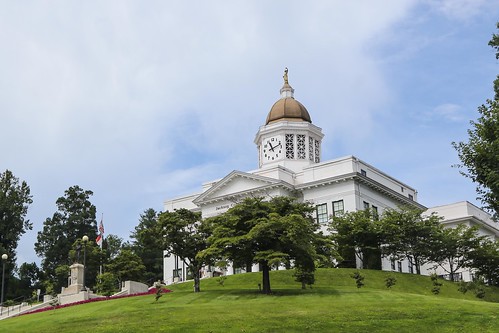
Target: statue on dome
(285, 76)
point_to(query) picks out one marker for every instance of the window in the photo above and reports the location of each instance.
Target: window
(363, 172)
(290, 146)
(375, 212)
(411, 197)
(411, 267)
(366, 205)
(300, 146)
(310, 148)
(338, 208)
(399, 264)
(317, 152)
(177, 273)
(321, 213)
(393, 264)
(402, 189)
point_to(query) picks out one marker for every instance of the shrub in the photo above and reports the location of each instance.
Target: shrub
(358, 279)
(390, 281)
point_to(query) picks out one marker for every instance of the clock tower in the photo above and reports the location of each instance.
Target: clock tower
(288, 137)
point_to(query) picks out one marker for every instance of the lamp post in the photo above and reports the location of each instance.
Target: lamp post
(85, 240)
(4, 259)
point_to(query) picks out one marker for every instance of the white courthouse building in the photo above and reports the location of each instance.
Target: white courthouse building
(290, 164)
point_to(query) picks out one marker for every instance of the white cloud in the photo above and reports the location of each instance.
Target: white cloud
(449, 112)
(460, 9)
(140, 102)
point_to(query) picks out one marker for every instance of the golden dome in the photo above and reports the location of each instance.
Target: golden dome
(287, 108)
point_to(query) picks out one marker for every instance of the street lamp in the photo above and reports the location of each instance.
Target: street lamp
(85, 240)
(4, 259)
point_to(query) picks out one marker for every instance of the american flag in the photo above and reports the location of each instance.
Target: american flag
(100, 237)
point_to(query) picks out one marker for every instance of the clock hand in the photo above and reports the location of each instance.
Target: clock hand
(271, 148)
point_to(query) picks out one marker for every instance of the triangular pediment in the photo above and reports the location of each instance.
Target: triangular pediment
(240, 184)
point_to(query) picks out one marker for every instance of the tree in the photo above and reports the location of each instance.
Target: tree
(184, 235)
(270, 233)
(358, 235)
(408, 234)
(126, 266)
(74, 218)
(15, 198)
(480, 155)
(147, 245)
(29, 279)
(113, 244)
(453, 246)
(485, 261)
(107, 285)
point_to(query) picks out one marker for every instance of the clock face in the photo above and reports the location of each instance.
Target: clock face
(272, 148)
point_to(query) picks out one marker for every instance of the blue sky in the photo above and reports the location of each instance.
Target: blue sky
(143, 101)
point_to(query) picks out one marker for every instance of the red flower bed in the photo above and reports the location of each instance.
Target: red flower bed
(150, 291)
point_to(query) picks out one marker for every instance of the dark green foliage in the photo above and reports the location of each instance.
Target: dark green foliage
(485, 261)
(28, 281)
(390, 281)
(183, 234)
(306, 277)
(477, 286)
(147, 245)
(463, 287)
(74, 218)
(126, 266)
(270, 233)
(107, 284)
(359, 279)
(453, 248)
(480, 155)
(409, 235)
(436, 284)
(15, 198)
(358, 235)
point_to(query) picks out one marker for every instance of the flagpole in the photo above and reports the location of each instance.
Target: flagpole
(101, 231)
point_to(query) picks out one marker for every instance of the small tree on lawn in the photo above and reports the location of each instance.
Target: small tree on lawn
(185, 235)
(409, 235)
(270, 233)
(359, 233)
(107, 284)
(453, 248)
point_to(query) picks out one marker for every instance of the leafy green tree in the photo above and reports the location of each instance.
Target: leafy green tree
(183, 234)
(74, 218)
(269, 233)
(107, 284)
(480, 155)
(453, 246)
(15, 198)
(147, 245)
(126, 266)
(494, 43)
(409, 235)
(29, 279)
(485, 261)
(358, 235)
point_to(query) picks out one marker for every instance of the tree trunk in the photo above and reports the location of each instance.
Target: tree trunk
(197, 279)
(416, 263)
(265, 277)
(249, 267)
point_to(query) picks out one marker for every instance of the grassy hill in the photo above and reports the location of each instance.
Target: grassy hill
(333, 305)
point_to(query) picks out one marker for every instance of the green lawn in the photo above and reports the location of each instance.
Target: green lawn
(333, 305)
